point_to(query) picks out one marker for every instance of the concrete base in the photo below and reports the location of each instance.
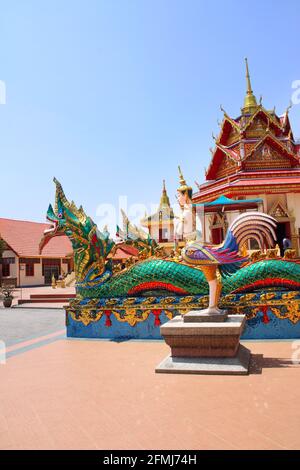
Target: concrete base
(238, 365)
(204, 316)
(205, 343)
(203, 339)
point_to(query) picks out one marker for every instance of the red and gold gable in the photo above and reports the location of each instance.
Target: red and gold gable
(265, 156)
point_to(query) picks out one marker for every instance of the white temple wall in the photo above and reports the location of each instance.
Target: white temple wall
(37, 279)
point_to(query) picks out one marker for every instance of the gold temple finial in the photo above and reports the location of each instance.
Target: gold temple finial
(181, 177)
(164, 200)
(183, 186)
(249, 89)
(250, 103)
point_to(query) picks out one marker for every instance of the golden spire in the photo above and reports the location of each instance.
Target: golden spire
(183, 186)
(164, 200)
(250, 103)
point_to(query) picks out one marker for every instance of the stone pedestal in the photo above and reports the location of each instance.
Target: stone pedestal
(205, 344)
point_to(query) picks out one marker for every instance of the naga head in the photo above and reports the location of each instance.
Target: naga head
(91, 247)
(66, 219)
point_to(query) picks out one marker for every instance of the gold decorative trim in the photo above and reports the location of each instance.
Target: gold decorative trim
(287, 307)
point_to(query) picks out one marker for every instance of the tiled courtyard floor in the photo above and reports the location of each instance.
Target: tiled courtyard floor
(26, 292)
(59, 393)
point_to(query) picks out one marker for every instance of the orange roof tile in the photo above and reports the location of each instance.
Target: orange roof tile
(24, 237)
(125, 251)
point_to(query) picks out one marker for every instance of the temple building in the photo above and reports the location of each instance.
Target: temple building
(21, 262)
(161, 224)
(255, 157)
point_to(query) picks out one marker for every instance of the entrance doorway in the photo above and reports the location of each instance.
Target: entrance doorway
(283, 231)
(50, 271)
(217, 235)
(217, 228)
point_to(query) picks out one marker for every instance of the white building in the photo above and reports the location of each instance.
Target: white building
(22, 264)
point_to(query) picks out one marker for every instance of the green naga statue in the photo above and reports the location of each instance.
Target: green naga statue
(90, 246)
(164, 278)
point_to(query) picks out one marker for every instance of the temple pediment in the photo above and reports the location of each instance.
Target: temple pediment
(224, 162)
(257, 128)
(263, 119)
(279, 211)
(269, 152)
(230, 131)
(227, 166)
(267, 157)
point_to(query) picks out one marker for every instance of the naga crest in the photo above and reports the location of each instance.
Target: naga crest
(91, 247)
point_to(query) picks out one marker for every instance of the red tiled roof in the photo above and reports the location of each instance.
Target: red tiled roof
(24, 237)
(235, 155)
(125, 251)
(224, 186)
(267, 181)
(131, 250)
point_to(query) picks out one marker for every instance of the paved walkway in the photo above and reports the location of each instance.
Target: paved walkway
(18, 325)
(25, 292)
(59, 393)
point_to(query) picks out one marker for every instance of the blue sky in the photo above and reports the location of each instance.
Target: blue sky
(110, 96)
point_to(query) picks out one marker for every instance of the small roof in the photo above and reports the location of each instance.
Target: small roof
(226, 201)
(124, 251)
(226, 204)
(24, 237)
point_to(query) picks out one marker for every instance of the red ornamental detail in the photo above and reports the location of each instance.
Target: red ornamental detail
(274, 282)
(107, 313)
(264, 310)
(156, 286)
(94, 242)
(157, 313)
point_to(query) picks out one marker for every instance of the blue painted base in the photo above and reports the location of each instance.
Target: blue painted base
(142, 330)
(274, 329)
(255, 328)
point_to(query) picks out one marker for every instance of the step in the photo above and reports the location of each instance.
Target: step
(44, 300)
(41, 306)
(52, 296)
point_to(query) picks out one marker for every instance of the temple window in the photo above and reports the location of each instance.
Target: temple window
(5, 270)
(29, 269)
(6, 262)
